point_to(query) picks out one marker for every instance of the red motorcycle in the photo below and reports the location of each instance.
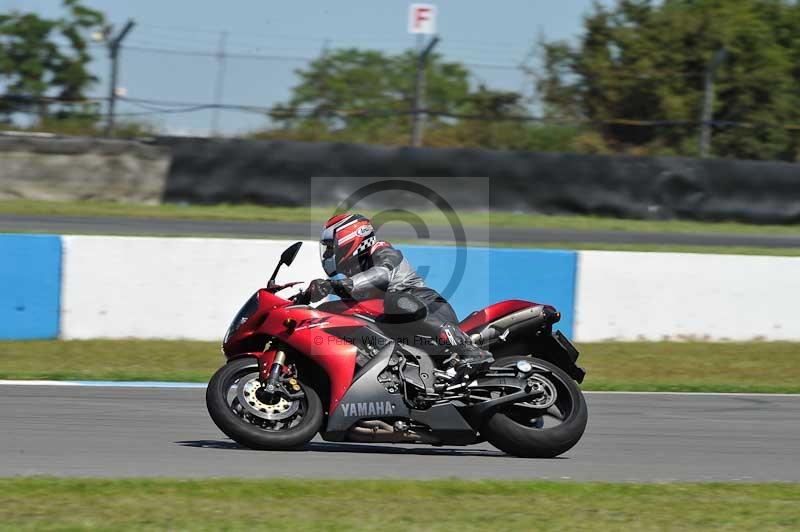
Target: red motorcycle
(341, 370)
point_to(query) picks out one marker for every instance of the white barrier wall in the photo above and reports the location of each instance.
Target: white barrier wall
(116, 287)
(681, 296)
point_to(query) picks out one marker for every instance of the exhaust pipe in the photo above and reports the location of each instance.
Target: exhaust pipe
(532, 318)
(377, 431)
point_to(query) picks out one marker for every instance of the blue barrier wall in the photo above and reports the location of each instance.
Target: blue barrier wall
(30, 286)
(492, 275)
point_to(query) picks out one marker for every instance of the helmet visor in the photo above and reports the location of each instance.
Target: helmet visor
(327, 254)
(326, 250)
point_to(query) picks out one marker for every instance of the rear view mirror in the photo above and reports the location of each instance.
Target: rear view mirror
(288, 256)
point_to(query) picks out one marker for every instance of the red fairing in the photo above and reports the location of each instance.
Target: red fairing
(308, 336)
(335, 356)
(369, 307)
(243, 339)
(478, 320)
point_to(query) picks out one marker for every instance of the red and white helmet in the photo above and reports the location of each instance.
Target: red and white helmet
(344, 240)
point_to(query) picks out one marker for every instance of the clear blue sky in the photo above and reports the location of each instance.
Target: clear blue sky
(479, 33)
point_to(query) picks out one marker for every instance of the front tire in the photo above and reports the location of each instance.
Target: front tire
(511, 432)
(254, 432)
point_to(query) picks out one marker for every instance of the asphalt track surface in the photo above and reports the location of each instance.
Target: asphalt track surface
(151, 432)
(300, 230)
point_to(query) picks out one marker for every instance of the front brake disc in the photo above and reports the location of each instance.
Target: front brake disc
(275, 410)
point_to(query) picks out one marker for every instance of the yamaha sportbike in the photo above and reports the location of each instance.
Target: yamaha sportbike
(341, 370)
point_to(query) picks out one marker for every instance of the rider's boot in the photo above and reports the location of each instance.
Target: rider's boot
(467, 360)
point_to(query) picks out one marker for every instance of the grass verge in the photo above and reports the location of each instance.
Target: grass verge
(768, 367)
(661, 248)
(474, 219)
(59, 504)
(303, 214)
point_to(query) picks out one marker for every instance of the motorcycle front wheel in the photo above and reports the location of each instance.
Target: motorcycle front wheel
(526, 429)
(255, 420)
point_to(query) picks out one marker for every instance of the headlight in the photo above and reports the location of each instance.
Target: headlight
(247, 310)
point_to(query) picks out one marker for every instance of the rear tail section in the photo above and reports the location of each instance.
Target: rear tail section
(518, 327)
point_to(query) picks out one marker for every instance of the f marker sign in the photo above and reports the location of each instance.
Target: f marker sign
(422, 19)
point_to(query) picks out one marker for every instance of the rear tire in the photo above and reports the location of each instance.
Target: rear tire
(251, 435)
(517, 439)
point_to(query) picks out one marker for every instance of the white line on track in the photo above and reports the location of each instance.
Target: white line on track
(37, 383)
(160, 384)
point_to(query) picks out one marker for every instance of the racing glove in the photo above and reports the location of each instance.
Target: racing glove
(322, 288)
(318, 289)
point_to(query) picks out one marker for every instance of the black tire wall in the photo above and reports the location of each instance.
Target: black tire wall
(211, 171)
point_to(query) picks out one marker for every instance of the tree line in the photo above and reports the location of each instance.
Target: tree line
(632, 82)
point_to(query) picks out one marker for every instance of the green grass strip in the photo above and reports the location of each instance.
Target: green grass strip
(304, 214)
(660, 248)
(469, 219)
(663, 248)
(766, 367)
(292, 505)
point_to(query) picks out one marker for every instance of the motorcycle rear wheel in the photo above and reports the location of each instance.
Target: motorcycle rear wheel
(253, 432)
(511, 431)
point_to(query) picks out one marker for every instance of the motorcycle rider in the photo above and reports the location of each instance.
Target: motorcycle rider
(374, 269)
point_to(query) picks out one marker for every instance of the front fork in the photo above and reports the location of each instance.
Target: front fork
(274, 372)
(274, 383)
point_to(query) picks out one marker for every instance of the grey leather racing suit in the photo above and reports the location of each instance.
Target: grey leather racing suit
(385, 270)
(386, 273)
